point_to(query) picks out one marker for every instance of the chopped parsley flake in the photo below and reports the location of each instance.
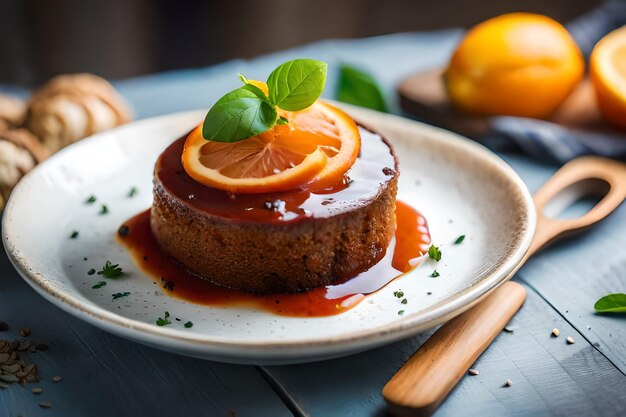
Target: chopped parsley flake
(132, 192)
(188, 324)
(401, 312)
(459, 239)
(91, 199)
(434, 253)
(398, 294)
(110, 270)
(91, 271)
(99, 285)
(74, 234)
(120, 295)
(164, 321)
(103, 210)
(435, 274)
(404, 301)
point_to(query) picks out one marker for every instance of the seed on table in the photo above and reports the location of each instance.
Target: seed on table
(25, 332)
(509, 329)
(555, 332)
(11, 369)
(29, 368)
(31, 378)
(46, 404)
(23, 345)
(508, 383)
(57, 378)
(37, 390)
(10, 378)
(570, 340)
(473, 372)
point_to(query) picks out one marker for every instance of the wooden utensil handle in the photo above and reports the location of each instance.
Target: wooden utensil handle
(427, 377)
(611, 174)
(425, 380)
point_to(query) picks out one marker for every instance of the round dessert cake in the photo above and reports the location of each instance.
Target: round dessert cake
(280, 242)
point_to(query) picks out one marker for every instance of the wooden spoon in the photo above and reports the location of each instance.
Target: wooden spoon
(429, 375)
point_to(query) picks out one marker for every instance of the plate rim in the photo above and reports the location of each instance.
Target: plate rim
(204, 344)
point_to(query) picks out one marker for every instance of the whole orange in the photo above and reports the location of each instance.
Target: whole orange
(607, 70)
(517, 64)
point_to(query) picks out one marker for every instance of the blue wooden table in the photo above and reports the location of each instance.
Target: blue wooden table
(105, 375)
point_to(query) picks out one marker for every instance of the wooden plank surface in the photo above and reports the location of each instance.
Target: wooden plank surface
(105, 375)
(573, 274)
(549, 377)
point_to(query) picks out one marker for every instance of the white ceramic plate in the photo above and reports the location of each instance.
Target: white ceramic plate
(458, 185)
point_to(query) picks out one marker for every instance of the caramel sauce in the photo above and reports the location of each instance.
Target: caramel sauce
(375, 166)
(411, 240)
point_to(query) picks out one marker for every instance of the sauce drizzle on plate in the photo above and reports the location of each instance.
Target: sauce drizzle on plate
(404, 254)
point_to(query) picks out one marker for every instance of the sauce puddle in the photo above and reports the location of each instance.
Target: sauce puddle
(404, 254)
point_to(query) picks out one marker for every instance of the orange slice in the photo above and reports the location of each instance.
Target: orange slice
(317, 147)
(607, 71)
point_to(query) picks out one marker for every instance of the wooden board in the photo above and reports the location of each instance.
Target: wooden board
(423, 95)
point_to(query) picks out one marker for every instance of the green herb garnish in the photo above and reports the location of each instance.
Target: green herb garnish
(359, 88)
(401, 312)
(435, 274)
(248, 111)
(132, 192)
(74, 234)
(188, 324)
(110, 270)
(91, 199)
(398, 294)
(434, 253)
(611, 303)
(164, 321)
(120, 295)
(103, 210)
(99, 285)
(459, 239)
(404, 301)
(91, 271)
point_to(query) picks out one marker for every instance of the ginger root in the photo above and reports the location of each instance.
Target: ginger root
(12, 112)
(20, 151)
(71, 107)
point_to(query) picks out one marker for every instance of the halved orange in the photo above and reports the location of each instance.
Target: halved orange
(317, 147)
(607, 70)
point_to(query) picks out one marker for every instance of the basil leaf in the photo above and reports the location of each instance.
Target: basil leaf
(611, 303)
(359, 88)
(295, 85)
(257, 92)
(238, 115)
